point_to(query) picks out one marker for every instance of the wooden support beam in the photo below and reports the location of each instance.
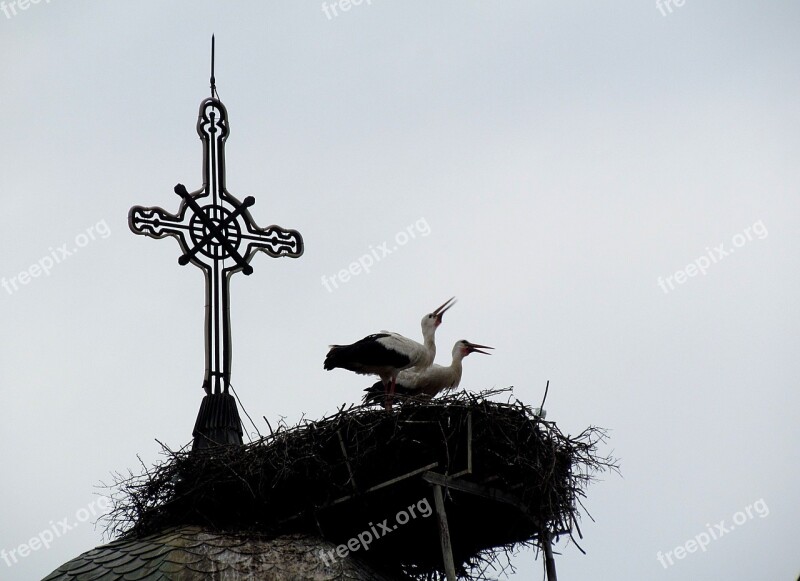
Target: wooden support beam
(545, 540)
(347, 461)
(478, 490)
(549, 562)
(371, 489)
(469, 442)
(468, 469)
(402, 477)
(444, 534)
(386, 483)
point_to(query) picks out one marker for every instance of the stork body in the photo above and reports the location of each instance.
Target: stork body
(385, 354)
(426, 383)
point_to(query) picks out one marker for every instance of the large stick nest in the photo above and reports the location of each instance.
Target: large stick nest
(318, 477)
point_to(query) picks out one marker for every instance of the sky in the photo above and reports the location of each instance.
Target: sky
(609, 188)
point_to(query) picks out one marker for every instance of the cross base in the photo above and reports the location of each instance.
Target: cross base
(218, 422)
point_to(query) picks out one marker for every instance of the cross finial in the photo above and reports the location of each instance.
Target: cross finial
(217, 234)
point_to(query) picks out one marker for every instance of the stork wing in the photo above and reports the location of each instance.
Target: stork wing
(379, 350)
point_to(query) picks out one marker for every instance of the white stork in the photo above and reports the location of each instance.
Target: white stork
(385, 354)
(426, 383)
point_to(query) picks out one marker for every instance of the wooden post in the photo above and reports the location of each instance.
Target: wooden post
(469, 442)
(549, 561)
(347, 461)
(444, 534)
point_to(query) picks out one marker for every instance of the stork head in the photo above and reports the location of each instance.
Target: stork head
(464, 348)
(434, 319)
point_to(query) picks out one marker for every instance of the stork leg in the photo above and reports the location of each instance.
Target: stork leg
(390, 394)
(386, 384)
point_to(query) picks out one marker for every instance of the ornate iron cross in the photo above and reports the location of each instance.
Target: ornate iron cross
(216, 233)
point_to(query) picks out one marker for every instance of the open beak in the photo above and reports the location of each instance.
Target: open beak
(443, 309)
(475, 348)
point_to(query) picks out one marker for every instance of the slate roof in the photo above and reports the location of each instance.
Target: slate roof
(191, 553)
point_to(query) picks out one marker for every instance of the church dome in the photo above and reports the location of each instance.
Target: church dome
(191, 553)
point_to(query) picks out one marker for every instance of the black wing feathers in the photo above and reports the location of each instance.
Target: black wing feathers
(367, 352)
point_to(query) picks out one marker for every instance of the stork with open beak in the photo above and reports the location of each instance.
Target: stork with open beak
(426, 383)
(386, 354)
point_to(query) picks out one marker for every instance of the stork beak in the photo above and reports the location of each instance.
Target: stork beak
(475, 348)
(443, 309)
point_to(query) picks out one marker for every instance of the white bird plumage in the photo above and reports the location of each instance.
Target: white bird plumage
(430, 381)
(385, 354)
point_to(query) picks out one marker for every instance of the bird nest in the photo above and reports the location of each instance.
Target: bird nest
(509, 478)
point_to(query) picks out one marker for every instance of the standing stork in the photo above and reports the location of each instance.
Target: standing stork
(386, 354)
(428, 382)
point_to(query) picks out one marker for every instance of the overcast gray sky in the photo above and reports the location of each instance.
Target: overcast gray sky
(553, 159)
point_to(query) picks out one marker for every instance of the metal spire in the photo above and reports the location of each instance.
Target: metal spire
(213, 80)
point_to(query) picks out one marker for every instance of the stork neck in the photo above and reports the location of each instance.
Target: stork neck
(455, 368)
(429, 336)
